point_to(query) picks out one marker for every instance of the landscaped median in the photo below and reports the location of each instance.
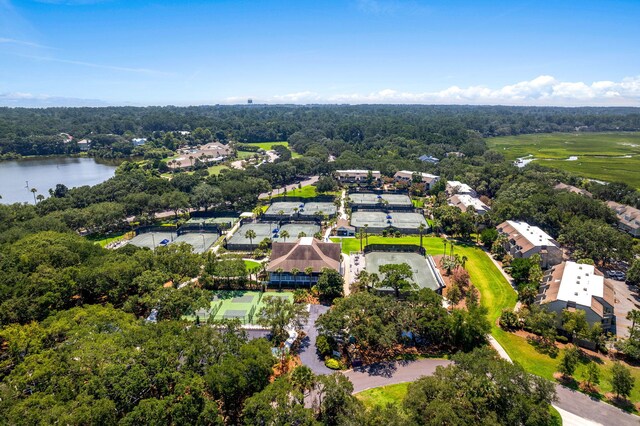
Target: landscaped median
(394, 394)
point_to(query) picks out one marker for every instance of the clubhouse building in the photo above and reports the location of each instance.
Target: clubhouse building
(302, 256)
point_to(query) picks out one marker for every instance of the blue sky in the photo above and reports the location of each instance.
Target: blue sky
(71, 52)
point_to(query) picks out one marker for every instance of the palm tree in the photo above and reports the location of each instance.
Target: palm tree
(444, 253)
(250, 234)
(302, 234)
(33, 191)
(421, 229)
(294, 272)
(374, 280)
(360, 235)
(463, 261)
(279, 271)
(280, 212)
(362, 281)
(284, 235)
(40, 197)
(634, 317)
(257, 212)
(308, 270)
(191, 160)
(366, 234)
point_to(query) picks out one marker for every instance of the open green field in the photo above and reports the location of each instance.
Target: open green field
(604, 156)
(391, 394)
(267, 146)
(250, 264)
(304, 192)
(215, 170)
(103, 240)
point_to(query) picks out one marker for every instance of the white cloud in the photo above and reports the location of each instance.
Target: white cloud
(94, 65)
(4, 40)
(30, 100)
(543, 90)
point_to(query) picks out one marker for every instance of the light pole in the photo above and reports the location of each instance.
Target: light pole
(203, 243)
(153, 238)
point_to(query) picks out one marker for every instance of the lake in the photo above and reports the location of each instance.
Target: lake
(44, 173)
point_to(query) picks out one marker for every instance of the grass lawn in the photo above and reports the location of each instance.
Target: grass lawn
(603, 156)
(267, 146)
(245, 154)
(392, 394)
(215, 170)
(308, 191)
(103, 240)
(250, 264)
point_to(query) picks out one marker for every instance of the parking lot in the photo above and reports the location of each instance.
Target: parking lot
(627, 299)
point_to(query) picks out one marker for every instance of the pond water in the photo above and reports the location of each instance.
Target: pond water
(18, 177)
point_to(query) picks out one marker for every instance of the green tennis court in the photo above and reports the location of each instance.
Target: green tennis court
(232, 304)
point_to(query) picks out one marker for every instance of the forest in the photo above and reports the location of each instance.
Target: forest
(36, 131)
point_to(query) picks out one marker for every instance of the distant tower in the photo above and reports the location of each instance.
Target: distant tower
(249, 101)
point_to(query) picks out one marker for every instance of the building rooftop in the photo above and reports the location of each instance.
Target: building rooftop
(464, 201)
(627, 215)
(532, 234)
(580, 284)
(304, 253)
(574, 189)
(459, 187)
(358, 171)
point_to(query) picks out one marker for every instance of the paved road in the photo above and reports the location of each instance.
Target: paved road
(592, 409)
(308, 354)
(389, 373)
(582, 409)
(278, 191)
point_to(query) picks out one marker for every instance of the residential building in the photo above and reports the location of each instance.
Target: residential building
(84, 144)
(305, 253)
(455, 154)
(428, 159)
(211, 153)
(524, 240)
(628, 217)
(457, 187)
(407, 176)
(465, 201)
(138, 141)
(570, 188)
(574, 286)
(358, 176)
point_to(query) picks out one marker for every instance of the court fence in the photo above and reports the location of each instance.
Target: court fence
(396, 248)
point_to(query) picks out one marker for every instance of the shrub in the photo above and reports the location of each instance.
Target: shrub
(300, 296)
(461, 277)
(333, 364)
(509, 320)
(323, 345)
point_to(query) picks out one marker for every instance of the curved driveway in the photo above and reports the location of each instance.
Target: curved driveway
(389, 373)
(579, 404)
